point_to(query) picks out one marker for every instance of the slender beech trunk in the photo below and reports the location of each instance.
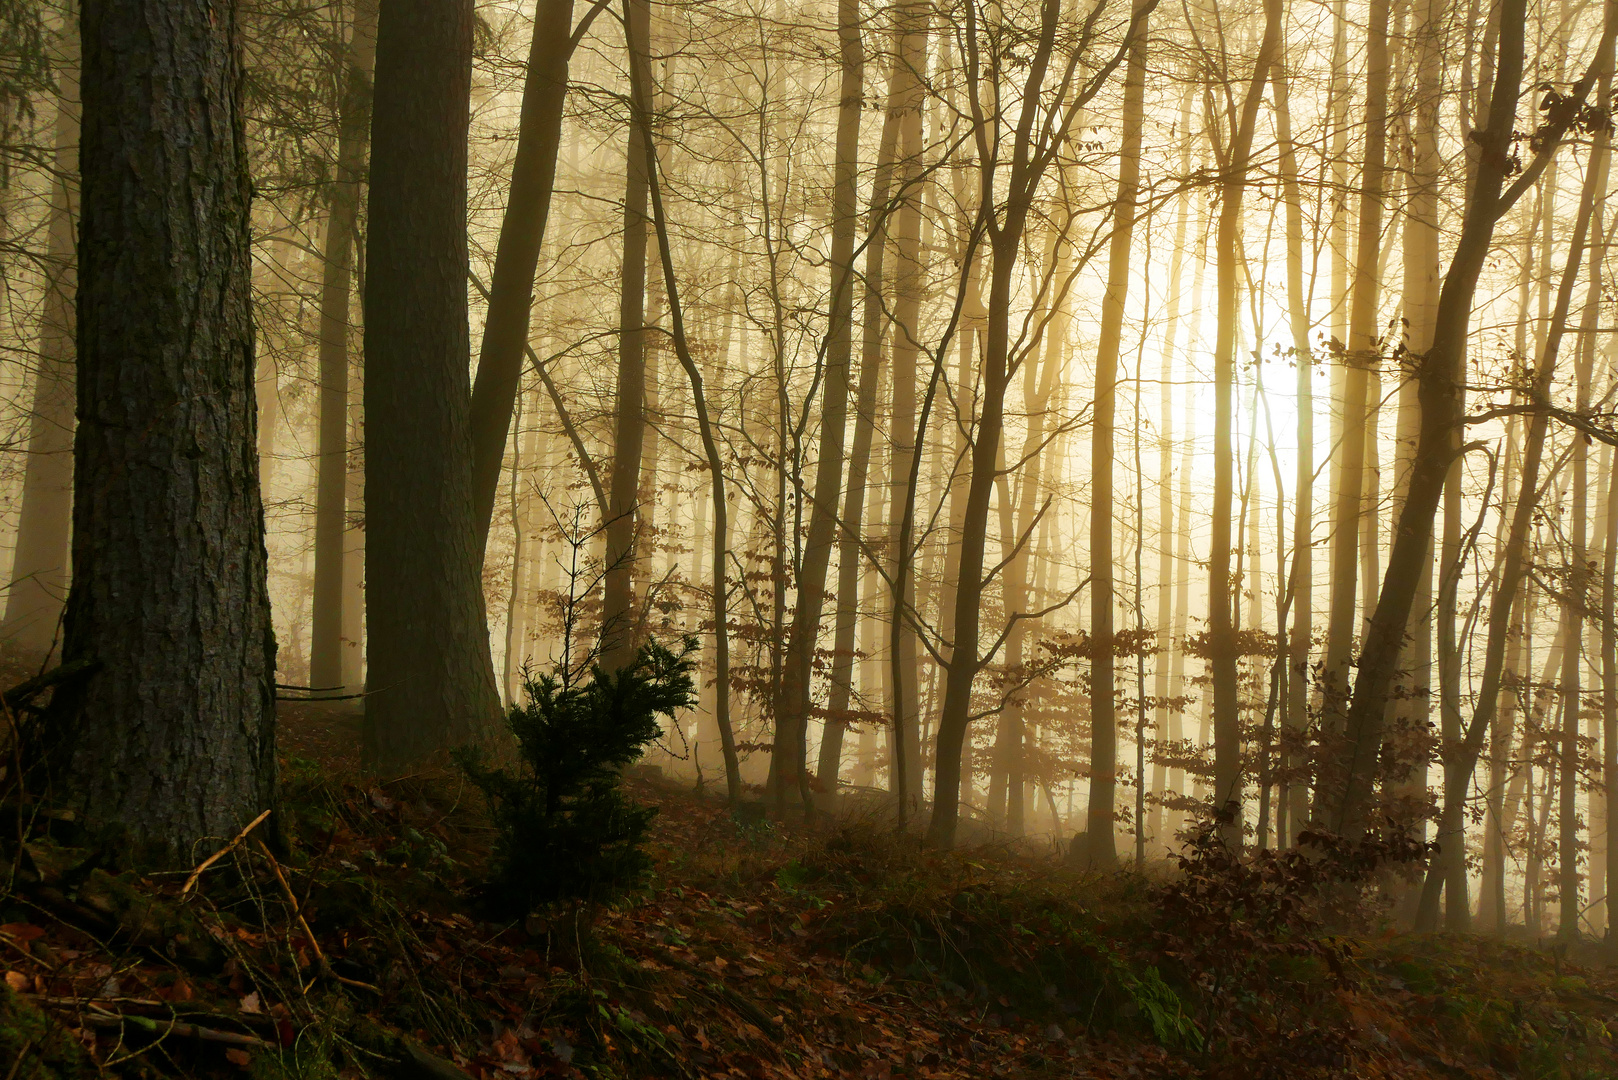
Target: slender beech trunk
(1184, 555)
(1016, 520)
(170, 740)
(1596, 913)
(1422, 283)
(640, 122)
(430, 681)
(1577, 528)
(1100, 818)
(904, 657)
(1441, 374)
(1609, 683)
(1492, 910)
(336, 303)
(39, 566)
(1166, 644)
(1293, 812)
(1361, 356)
(618, 614)
(354, 533)
(1003, 216)
(1222, 647)
(849, 555)
(792, 706)
(516, 259)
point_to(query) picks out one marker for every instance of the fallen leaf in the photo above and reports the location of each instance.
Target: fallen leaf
(239, 1058)
(22, 931)
(180, 991)
(18, 981)
(250, 1004)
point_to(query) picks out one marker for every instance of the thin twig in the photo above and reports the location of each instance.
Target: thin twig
(221, 853)
(323, 966)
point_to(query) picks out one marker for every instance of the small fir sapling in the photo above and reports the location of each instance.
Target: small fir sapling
(567, 834)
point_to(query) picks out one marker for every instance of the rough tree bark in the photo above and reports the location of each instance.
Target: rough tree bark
(172, 738)
(1579, 574)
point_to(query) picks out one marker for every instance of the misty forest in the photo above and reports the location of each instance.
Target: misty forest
(855, 538)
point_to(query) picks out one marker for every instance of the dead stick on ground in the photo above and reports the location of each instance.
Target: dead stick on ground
(323, 966)
(184, 1031)
(221, 853)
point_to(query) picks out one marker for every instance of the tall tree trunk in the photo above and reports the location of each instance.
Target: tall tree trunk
(1609, 685)
(640, 122)
(1362, 355)
(1100, 827)
(1005, 224)
(1222, 647)
(1182, 528)
(522, 231)
(1578, 575)
(39, 565)
(431, 678)
(849, 556)
(172, 738)
(909, 70)
(1166, 644)
(1492, 909)
(336, 302)
(1293, 811)
(354, 536)
(1442, 375)
(792, 706)
(1017, 520)
(618, 614)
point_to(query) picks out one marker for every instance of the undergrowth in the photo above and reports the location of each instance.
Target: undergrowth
(756, 948)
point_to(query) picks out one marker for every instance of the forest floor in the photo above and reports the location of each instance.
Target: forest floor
(347, 947)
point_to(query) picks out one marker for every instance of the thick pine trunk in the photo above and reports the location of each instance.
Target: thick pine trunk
(173, 737)
(431, 679)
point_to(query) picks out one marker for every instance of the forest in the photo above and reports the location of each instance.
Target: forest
(868, 538)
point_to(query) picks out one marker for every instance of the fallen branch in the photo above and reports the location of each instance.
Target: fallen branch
(24, 692)
(323, 966)
(185, 1031)
(172, 1008)
(191, 881)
